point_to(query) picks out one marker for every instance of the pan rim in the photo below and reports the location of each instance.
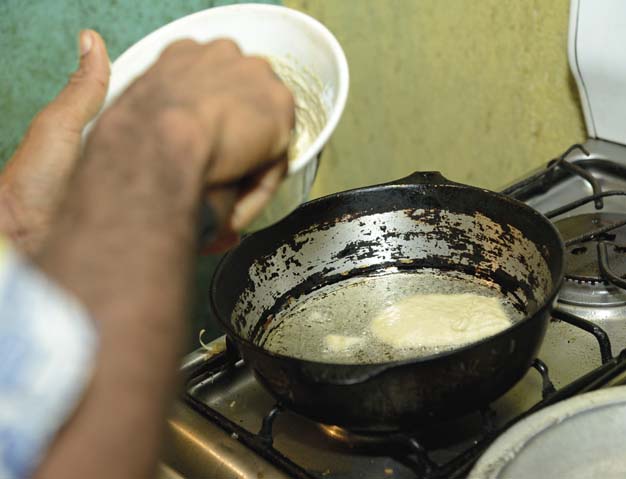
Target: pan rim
(548, 302)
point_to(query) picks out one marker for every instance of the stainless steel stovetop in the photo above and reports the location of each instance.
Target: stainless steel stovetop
(214, 430)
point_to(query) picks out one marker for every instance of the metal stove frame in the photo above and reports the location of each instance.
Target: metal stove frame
(611, 372)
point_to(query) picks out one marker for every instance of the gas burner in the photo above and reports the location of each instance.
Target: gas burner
(364, 441)
(582, 258)
(433, 436)
(584, 282)
(391, 443)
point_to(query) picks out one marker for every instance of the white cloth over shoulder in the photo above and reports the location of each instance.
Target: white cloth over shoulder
(47, 351)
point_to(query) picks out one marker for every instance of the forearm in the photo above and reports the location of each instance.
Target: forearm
(123, 246)
(127, 233)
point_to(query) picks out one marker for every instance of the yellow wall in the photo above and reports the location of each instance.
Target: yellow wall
(478, 89)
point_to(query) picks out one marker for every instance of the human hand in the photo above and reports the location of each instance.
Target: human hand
(224, 117)
(35, 178)
(204, 120)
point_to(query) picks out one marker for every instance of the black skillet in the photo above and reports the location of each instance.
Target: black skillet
(422, 221)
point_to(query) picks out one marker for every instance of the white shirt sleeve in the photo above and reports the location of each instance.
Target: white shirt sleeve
(47, 351)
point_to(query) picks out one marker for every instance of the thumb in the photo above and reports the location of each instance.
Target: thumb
(82, 97)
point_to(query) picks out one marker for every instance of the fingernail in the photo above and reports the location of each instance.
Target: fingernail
(86, 42)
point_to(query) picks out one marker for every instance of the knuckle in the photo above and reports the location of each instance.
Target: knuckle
(113, 125)
(100, 83)
(285, 99)
(78, 76)
(225, 46)
(83, 77)
(177, 47)
(258, 66)
(284, 104)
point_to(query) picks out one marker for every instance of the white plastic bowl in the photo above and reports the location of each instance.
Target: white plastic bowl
(258, 30)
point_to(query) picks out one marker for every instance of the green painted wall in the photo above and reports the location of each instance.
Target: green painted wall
(38, 47)
(479, 89)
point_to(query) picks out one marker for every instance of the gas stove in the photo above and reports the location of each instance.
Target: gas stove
(227, 426)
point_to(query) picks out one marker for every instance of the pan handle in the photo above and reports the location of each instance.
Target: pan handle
(423, 178)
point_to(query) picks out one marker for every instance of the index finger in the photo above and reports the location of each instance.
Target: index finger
(257, 195)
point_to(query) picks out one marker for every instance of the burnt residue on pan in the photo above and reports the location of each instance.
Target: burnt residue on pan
(411, 239)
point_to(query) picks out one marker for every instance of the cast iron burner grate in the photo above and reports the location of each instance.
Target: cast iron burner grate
(407, 447)
(583, 259)
(603, 233)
